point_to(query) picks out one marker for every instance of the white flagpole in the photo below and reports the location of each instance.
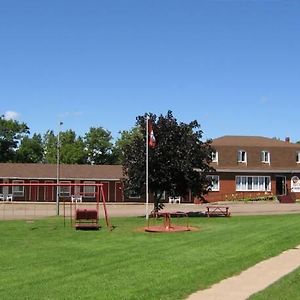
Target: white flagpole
(147, 168)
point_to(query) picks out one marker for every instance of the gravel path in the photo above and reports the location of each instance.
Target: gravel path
(27, 210)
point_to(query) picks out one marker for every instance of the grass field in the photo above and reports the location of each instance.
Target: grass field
(44, 260)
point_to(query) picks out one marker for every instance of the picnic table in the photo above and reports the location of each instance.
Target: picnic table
(216, 210)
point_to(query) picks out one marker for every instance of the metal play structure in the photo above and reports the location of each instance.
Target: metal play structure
(166, 223)
(81, 217)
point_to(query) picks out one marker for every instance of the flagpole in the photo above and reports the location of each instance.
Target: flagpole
(147, 167)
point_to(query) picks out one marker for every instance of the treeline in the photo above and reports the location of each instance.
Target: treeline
(95, 147)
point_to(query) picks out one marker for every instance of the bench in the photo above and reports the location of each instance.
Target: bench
(174, 199)
(76, 198)
(6, 197)
(217, 211)
(86, 219)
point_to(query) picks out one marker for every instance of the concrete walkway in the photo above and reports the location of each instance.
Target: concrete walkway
(252, 280)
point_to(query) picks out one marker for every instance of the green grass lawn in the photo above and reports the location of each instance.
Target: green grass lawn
(44, 260)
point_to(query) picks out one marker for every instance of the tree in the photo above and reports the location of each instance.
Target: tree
(11, 133)
(50, 147)
(98, 144)
(30, 150)
(179, 162)
(72, 148)
(127, 137)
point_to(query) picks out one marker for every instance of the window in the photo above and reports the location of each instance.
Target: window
(215, 156)
(242, 156)
(134, 195)
(298, 157)
(215, 187)
(65, 191)
(89, 190)
(18, 190)
(253, 183)
(265, 157)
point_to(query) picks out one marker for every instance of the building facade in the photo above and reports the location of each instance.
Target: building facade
(15, 173)
(246, 167)
(249, 166)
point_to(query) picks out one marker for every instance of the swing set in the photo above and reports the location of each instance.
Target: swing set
(84, 218)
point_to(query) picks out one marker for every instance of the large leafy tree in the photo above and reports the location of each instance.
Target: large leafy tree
(127, 137)
(71, 148)
(30, 150)
(50, 147)
(179, 162)
(11, 133)
(99, 146)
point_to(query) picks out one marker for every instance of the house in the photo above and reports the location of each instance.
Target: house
(252, 166)
(246, 167)
(109, 175)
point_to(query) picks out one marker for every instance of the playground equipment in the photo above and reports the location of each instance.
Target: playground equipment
(166, 225)
(84, 218)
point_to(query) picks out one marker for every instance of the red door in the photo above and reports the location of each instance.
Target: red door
(105, 191)
(33, 191)
(49, 192)
(119, 192)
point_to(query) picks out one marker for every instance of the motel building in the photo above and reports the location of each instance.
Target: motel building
(254, 167)
(246, 167)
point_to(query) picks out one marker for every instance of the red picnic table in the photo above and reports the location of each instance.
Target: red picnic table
(216, 210)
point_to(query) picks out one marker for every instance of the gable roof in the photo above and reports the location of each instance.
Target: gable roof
(251, 141)
(48, 171)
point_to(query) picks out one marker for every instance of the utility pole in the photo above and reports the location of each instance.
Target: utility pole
(58, 168)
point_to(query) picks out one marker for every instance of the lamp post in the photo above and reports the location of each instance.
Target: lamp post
(58, 168)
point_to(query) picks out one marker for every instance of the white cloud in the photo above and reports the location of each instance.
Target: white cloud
(11, 115)
(264, 99)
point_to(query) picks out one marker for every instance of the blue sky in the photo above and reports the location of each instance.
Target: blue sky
(232, 65)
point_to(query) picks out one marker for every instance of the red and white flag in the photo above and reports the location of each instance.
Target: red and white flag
(151, 140)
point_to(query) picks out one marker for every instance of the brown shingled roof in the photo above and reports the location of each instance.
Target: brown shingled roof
(251, 141)
(48, 171)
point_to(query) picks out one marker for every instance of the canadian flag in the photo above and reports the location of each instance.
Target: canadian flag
(151, 140)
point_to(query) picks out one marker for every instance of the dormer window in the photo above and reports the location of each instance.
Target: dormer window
(298, 157)
(265, 157)
(242, 156)
(215, 157)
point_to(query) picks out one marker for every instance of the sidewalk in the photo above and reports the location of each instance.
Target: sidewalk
(252, 280)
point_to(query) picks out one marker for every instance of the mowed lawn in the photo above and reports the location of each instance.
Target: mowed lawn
(44, 260)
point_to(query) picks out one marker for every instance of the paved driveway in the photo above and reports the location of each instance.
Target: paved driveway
(29, 210)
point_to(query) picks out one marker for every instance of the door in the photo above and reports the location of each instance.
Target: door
(105, 191)
(119, 192)
(33, 191)
(280, 185)
(5, 188)
(49, 192)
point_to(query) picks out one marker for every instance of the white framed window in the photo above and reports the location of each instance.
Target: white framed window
(215, 187)
(18, 190)
(89, 190)
(253, 183)
(265, 157)
(65, 190)
(215, 156)
(298, 157)
(133, 195)
(242, 156)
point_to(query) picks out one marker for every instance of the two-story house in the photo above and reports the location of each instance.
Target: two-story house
(249, 166)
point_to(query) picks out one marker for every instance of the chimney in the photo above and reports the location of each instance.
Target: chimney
(287, 139)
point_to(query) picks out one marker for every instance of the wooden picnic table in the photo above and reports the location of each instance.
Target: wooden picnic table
(216, 210)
